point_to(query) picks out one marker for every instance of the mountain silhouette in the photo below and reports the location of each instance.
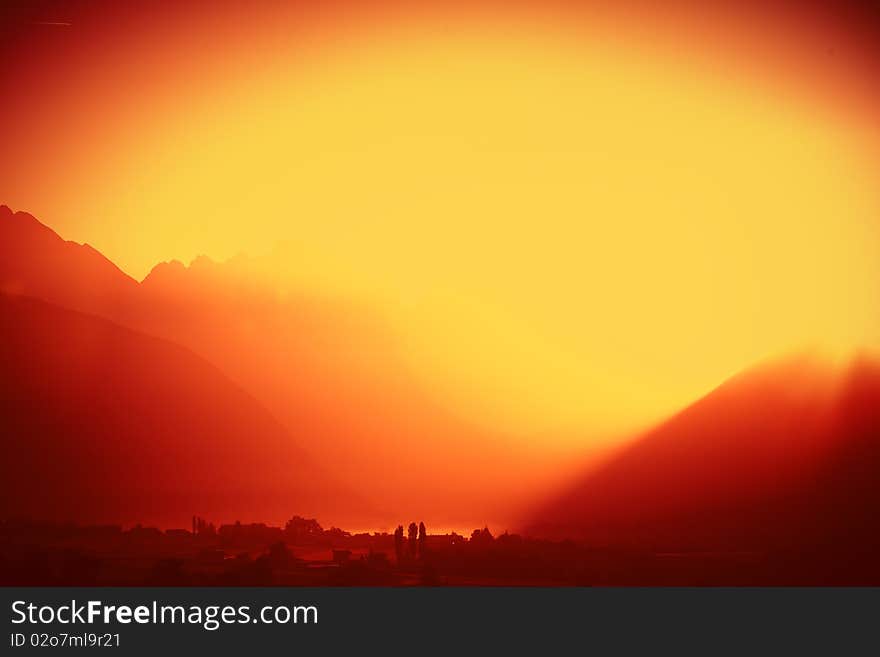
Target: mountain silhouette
(785, 456)
(104, 424)
(330, 370)
(35, 261)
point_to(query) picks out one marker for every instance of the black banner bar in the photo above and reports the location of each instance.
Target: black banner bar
(458, 620)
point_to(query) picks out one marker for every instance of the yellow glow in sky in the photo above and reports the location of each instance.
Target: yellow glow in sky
(561, 235)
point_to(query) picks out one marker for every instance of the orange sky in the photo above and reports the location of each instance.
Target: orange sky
(572, 217)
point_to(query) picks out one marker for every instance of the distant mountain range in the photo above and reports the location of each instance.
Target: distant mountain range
(330, 371)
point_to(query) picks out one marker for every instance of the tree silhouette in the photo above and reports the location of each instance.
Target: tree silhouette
(423, 539)
(398, 543)
(481, 537)
(412, 536)
(299, 528)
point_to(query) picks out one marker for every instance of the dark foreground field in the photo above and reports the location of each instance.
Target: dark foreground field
(304, 554)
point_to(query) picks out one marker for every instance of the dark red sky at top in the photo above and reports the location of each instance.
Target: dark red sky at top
(37, 35)
(52, 51)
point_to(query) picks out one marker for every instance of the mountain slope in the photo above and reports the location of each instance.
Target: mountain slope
(35, 261)
(330, 370)
(783, 457)
(102, 424)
